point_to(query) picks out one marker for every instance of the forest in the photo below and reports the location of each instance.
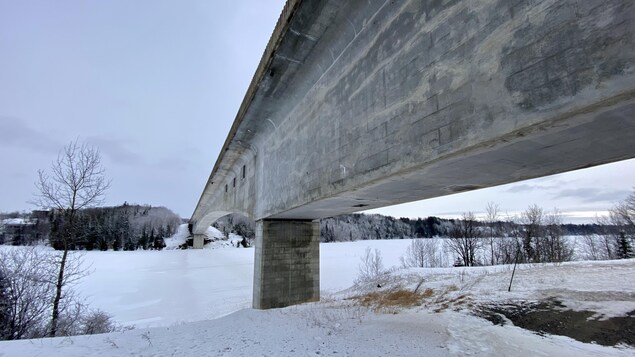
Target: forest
(124, 227)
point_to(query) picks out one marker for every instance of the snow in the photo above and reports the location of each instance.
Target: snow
(471, 336)
(15, 221)
(286, 332)
(196, 303)
(602, 286)
(218, 239)
(160, 288)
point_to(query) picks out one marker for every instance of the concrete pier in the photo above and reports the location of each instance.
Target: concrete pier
(198, 240)
(287, 266)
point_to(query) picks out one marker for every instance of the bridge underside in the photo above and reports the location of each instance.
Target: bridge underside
(362, 104)
(594, 136)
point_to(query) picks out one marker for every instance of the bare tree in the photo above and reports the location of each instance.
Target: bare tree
(27, 292)
(623, 215)
(28, 277)
(2, 228)
(620, 233)
(591, 247)
(4, 306)
(371, 265)
(532, 220)
(416, 255)
(625, 210)
(421, 253)
(617, 229)
(492, 211)
(97, 321)
(555, 247)
(607, 237)
(509, 247)
(76, 181)
(465, 239)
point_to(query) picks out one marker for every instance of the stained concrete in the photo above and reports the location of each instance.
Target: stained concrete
(362, 104)
(287, 266)
(198, 241)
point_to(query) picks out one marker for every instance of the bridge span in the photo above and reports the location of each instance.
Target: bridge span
(361, 104)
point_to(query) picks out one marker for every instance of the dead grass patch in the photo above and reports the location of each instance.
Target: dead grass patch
(392, 299)
(458, 299)
(441, 308)
(446, 300)
(427, 293)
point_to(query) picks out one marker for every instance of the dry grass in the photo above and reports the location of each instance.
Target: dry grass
(441, 308)
(393, 299)
(444, 302)
(427, 293)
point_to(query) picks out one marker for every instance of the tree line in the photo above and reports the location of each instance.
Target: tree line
(535, 236)
(360, 226)
(124, 227)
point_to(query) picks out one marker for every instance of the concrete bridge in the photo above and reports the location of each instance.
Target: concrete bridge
(365, 103)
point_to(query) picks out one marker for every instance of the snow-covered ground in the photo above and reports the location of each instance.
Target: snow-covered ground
(160, 288)
(196, 303)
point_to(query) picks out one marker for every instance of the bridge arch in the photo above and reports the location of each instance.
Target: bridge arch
(200, 226)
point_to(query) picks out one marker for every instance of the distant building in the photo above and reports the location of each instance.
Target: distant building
(24, 231)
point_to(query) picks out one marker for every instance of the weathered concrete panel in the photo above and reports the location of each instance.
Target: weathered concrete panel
(419, 82)
(287, 266)
(362, 104)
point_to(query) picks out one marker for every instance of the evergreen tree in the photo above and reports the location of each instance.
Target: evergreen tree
(159, 243)
(102, 243)
(327, 234)
(91, 239)
(152, 239)
(129, 244)
(143, 241)
(116, 244)
(624, 249)
(124, 228)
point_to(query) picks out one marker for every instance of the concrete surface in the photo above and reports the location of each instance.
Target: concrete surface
(361, 104)
(287, 266)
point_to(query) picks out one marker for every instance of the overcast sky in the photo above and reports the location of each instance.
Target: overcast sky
(156, 85)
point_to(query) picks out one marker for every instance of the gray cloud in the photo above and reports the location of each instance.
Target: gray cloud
(592, 195)
(16, 133)
(173, 163)
(529, 187)
(116, 149)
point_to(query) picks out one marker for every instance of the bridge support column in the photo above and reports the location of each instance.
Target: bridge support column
(198, 241)
(287, 264)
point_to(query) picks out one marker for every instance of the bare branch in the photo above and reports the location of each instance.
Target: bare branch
(76, 180)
